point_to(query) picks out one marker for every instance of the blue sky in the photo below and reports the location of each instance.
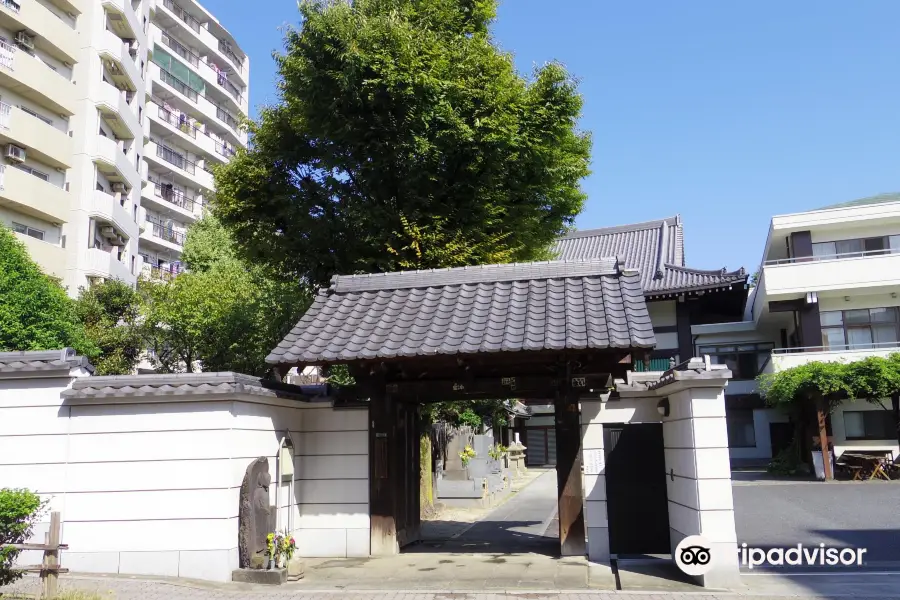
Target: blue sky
(724, 112)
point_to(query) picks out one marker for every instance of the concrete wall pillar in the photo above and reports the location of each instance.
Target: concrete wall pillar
(698, 477)
(595, 516)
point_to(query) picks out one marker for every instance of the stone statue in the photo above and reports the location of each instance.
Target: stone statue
(255, 515)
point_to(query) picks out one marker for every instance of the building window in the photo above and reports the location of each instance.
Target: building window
(857, 247)
(29, 231)
(869, 425)
(745, 361)
(35, 172)
(741, 430)
(860, 329)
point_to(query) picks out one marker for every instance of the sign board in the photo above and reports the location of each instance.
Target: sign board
(593, 462)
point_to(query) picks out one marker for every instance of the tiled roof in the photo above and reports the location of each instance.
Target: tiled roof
(655, 248)
(533, 306)
(41, 361)
(879, 199)
(160, 386)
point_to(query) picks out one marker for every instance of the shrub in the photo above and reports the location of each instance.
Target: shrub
(20, 509)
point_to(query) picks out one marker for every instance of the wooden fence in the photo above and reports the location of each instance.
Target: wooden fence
(49, 568)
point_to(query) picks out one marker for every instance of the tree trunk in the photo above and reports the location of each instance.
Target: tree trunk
(895, 404)
(821, 415)
(426, 480)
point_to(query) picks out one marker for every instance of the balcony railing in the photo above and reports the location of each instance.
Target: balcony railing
(229, 87)
(173, 196)
(192, 22)
(180, 49)
(165, 232)
(163, 273)
(173, 157)
(226, 118)
(5, 113)
(224, 150)
(2, 175)
(178, 84)
(839, 348)
(7, 55)
(824, 257)
(182, 123)
(11, 5)
(225, 49)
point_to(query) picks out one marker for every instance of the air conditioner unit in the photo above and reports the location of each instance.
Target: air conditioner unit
(118, 187)
(14, 153)
(119, 241)
(109, 232)
(24, 40)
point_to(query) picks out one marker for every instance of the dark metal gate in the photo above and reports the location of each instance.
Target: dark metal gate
(637, 506)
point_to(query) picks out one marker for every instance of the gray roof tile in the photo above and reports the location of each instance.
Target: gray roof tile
(655, 248)
(13, 364)
(492, 308)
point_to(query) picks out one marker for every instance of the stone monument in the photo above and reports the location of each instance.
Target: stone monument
(256, 520)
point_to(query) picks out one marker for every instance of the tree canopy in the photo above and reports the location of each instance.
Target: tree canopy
(222, 312)
(110, 313)
(404, 138)
(35, 312)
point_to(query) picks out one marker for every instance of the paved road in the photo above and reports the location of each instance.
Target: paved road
(524, 523)
(840, 514)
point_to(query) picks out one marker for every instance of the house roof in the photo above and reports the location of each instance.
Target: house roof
(879, 199)
(655, 248)
(41, 361)
(553, 305)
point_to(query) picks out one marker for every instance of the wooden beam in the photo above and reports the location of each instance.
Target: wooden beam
(823, 440)
(568, 467)
(51, 557)
(439, 390)
(382, 475)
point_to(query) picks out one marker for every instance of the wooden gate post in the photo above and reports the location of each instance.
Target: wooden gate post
(382, 476)
(51, 558)
(568, 466)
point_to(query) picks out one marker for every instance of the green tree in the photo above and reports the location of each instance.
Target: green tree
(222, 312)
(20, 509)
(404, 138)
(110, 314)
(35, 312)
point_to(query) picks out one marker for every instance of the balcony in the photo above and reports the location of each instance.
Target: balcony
(42, 141)
(166, 199)
(162, 234)
(29, 77)
(180, 49)
(233, 58)
(52, 35)
(857, 270)
(121, 65)
(117, 113)
(182, 15)
(105, 207)
(785, 358)
(128, 23)
(27, 194)
(49, 257)
(228, 119)
(160, 273)
(178, 85)
(113, 162)
(100, 263)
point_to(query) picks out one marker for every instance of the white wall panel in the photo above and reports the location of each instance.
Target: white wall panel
(164, 564)
(331, 516)
(321, 543)
(332, 491)
(150, 475)
(250, 415)
(33, 420)
(326, 419)
(683, 491)
(320, 443)
(163, 416)
(710, 432)
(595, 513)
(44, 479)
(33, 449)
(211, 565)
(350, 466)
(595, 487)
(32, 391)
(162, 445)
(151, 536)
(171, 504)
(358, 542)
(718, 525)
(684, 519)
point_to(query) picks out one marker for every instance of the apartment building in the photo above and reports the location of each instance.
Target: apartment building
(827, 290)
(197, 94)
(112, 115)
(39, 47)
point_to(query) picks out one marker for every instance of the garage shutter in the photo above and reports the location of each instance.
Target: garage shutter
(534, 447)
(551, 446)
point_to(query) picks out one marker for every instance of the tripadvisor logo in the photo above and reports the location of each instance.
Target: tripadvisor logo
(695, 556)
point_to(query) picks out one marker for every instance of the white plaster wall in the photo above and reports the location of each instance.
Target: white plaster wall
(662, 313)
(152, 487)
(595, 514)
(698, 474)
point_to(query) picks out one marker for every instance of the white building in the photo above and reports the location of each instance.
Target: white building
(106, 154)
(197, 95)
(827, 291)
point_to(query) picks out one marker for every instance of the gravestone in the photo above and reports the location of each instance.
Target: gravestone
(255, 517)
